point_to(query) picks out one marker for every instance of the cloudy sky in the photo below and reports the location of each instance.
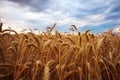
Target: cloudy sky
(96, 15)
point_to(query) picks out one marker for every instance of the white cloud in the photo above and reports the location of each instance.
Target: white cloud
(73, 21)
(117, 29)
(96, 18)
(13, 16)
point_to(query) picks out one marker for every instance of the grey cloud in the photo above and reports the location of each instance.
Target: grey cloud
(113, 16)
(21, 1)
(115, 8)
(114, 13)
(36, 5)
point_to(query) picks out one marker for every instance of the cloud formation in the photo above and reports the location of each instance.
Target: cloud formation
(96, 15)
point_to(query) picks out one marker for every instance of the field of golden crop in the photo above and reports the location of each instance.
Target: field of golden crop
(46, 56)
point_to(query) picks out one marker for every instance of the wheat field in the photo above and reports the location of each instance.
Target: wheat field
(47, 56)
